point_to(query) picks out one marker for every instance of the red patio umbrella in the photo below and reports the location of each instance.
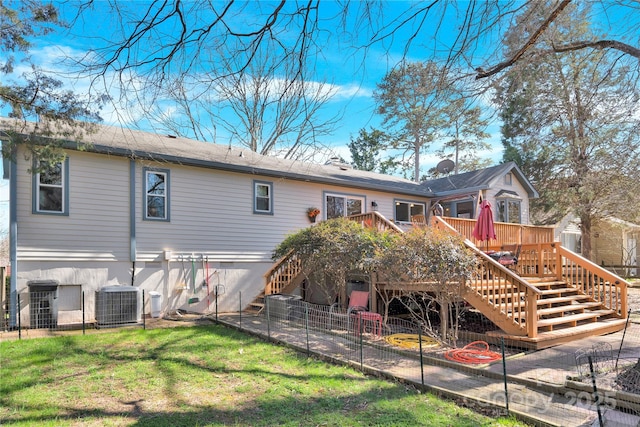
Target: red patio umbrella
(483, 229)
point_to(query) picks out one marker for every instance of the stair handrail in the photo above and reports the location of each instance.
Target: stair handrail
(376, 220)
(290, 265)
(492, 276)
(601, 284)
(290, 261)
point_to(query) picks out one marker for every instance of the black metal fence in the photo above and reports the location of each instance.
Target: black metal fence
(593, 381)
(40, 311)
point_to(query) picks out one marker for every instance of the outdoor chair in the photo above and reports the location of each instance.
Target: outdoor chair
(357, 311)
(510, 255)
(358, 316)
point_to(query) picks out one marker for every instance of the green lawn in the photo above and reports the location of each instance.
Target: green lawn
(197, 376)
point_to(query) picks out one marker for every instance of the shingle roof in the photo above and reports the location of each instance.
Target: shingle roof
(137, 144)
(469, 182)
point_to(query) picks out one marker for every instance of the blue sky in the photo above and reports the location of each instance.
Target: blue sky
(352, 76)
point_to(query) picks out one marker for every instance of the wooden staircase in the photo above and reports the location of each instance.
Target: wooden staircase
(550, 297)
(285, 275)
(562, 313)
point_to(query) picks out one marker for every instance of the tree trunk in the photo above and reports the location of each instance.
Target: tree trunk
(444, 320)
(585, 229)
(416, 166)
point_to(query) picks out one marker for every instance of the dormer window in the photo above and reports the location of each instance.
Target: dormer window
(508, 179)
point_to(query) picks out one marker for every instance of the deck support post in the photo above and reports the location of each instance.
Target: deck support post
(559, 268)
(531, 300)
(374, 292)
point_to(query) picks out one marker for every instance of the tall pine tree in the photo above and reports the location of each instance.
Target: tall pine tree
(570, 121)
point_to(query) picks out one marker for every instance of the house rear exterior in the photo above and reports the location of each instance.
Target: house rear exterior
(187, 220)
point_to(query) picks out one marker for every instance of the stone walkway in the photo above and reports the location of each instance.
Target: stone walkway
(538, 386)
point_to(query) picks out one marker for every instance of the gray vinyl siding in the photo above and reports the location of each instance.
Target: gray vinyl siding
(212, 213)
(97, 225)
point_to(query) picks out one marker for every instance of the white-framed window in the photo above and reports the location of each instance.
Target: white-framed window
(262, 197)
(337, 205)
(509, 210)
(50, 188)
(156, 194)
(406, 209)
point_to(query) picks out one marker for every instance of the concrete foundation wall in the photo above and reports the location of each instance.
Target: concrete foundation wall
(181, 284)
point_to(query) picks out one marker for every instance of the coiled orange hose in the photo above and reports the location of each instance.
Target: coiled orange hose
(476, 352)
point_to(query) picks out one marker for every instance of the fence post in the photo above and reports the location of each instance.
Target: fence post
(217, 290)
(266, 306)
(360, 328)
(595, 391)
(240, 308)
(306, 325)
(622, 340)
(504, 375)
(19, 315)
(421, 358)
(83, 308)
(144, 318)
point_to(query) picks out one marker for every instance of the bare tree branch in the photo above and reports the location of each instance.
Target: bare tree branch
(599, 44)
(532, 40)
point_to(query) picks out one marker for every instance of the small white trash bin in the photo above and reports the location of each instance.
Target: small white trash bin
(156, 303)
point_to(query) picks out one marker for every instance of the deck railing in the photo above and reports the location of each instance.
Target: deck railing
(512, 300)
(506, 233)
(537, 260)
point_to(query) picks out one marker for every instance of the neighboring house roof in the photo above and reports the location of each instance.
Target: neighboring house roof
(483, 179)
(621, 223)
(144, 145)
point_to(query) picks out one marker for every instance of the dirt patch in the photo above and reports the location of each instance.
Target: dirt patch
(178, 318)
(633, 301)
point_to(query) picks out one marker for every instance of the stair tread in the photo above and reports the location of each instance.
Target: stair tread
(558, 334)
(568, 307)
(551, 310)
(561, 299)
(557, 290)
(543, 281)
(574, 317)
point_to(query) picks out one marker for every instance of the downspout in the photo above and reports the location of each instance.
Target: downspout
(13, 237)
(132, 219)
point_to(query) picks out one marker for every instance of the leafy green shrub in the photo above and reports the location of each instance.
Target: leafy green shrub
(331, 250)
(429, 267)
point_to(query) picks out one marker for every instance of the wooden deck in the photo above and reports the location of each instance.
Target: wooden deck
(551, 296)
